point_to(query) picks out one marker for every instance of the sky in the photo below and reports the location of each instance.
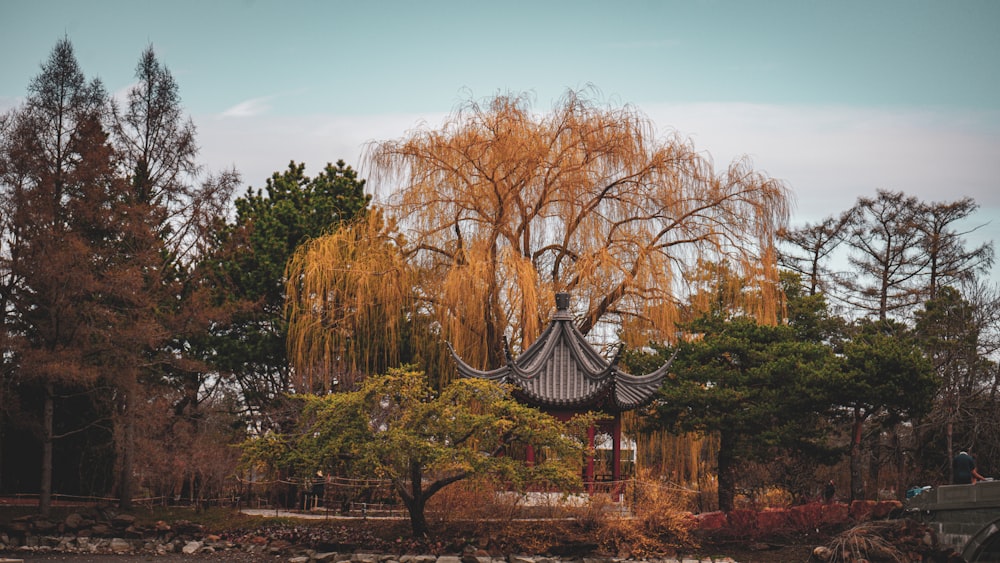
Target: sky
(836, 99)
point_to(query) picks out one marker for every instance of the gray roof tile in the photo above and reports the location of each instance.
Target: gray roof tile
(562, 370)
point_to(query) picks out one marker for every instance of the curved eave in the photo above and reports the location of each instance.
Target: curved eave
(634, 391)
(630, 394)
(498, 375)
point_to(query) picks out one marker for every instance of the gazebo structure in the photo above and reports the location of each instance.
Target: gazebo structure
(561, 374)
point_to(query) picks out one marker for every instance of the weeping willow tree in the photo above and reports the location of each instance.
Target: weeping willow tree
(502, 208)
(349, 297)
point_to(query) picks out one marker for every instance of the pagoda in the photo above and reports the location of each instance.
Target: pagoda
(562, 375)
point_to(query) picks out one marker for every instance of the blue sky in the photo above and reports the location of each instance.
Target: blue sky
(837, 99)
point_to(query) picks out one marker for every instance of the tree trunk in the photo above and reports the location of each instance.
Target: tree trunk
(949, 438)
(727, 477)
(418, 521)
(901, 474)
(125, 480)
(45, 484)
(415, 500)
(2, 417)
(857, 482)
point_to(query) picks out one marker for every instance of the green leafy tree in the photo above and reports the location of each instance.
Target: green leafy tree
(270, 224)
(886, 377)
(396, 428)
(756, 386)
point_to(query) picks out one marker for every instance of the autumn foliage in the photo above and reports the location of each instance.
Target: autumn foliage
(499, 208)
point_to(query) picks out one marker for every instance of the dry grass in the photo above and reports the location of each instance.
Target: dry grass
(659, 521)
(656, 521)
(864, 542)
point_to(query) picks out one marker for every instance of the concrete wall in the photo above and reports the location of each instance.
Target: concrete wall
(965, 517)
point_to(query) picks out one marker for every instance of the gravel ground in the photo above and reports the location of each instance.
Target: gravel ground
(785, 554)
(226, 557)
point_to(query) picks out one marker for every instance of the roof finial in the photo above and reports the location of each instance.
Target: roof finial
(562, 301)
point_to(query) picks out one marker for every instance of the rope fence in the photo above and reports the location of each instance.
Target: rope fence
(332, 494)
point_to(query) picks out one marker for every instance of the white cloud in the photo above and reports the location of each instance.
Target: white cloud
(249, 108)
(10, 102)
(258, 146)
(828, 156)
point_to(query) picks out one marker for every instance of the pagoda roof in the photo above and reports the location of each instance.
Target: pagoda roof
(561, 370)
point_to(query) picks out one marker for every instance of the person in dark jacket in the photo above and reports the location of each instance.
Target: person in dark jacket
(829, 492)
(964, 466)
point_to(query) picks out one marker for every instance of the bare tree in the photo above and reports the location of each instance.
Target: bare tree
(959, 332)
(884, 238)
(55, 155)
(812, 246)
(948, 260)
(172, 209)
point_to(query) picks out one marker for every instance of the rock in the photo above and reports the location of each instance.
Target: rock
(300, 559)
(278, 545)
(326, 556)
(100, 529)
(64, 543)
(42, 526)
(123, 520)
(452, 559)
(191, 547)
(73, 521)
(187, 527)
(119, 545)
(822, 553)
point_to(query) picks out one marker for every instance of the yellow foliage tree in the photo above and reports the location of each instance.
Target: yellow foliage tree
(502, 208)
(349, 294)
